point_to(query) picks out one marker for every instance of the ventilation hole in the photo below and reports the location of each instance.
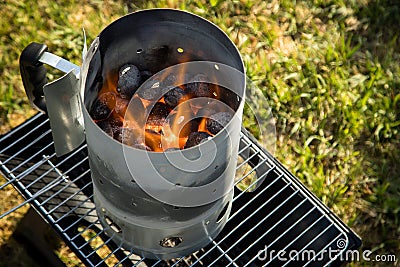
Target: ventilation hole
(179, 49)
(216, 167)
(215, 190)
(101, 181)
(113, 225)
(133, 181)
(176, 208)
(171, 242)
(139, 51)
(222, 213)
(178, 184)
(134, 204)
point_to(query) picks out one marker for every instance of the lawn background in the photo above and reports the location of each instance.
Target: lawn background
(330, 72)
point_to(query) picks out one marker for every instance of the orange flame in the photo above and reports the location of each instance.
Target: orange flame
(153, 140)
(171, 134)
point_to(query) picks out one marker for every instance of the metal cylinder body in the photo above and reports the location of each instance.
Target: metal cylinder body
(160, 227)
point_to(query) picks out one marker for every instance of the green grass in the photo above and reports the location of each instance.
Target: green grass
(330, 70)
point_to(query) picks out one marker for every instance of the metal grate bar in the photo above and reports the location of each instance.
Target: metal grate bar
(224, 253)
(108, 256)
(55, 166)
(243, 149)
(300, 251)
(93, 237)
(41, 176)
(248, 159)
(294, 240)
(102, 245)
(251, 171)
(324, 249)
(294, 224)
(81, 252)
(20, 127)
(65, 201)
(62, 189)
(23, 137)
(247, 218)
(259, 223)
(27, 147)
(31, 157)
(173, 265)
(37, 194)
(22, 174)
(255, 182)
(259, 193)
(74, 209)
(137, 263)
(109, 240)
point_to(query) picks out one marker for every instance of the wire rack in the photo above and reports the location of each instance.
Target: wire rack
(277, 215)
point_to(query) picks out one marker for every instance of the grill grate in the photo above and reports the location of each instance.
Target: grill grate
(279, 214)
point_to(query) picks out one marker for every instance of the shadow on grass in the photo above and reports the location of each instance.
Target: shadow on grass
(31, 244)
(380, 20)
(379, 222)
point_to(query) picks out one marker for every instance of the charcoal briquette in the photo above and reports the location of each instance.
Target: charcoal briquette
(199, 86)
(128, 80)
(106, 127)
(129, 136)
(151, 90)
(158, 114)
(229, 97)
(206, 112)
(196, 138)
(135, 111)
(121, 105)
(216, 122)
(145, 75)
(170, 80)
(116, 125)
(174, 96)
(101, 108)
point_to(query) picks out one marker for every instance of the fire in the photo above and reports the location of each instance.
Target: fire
(203, 125)
(169, 122)
(153, 140)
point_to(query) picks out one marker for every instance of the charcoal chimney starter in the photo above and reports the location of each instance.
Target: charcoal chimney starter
(162, 205)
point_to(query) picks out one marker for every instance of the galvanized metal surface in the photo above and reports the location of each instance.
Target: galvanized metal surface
(281, 214)
(143, 220)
